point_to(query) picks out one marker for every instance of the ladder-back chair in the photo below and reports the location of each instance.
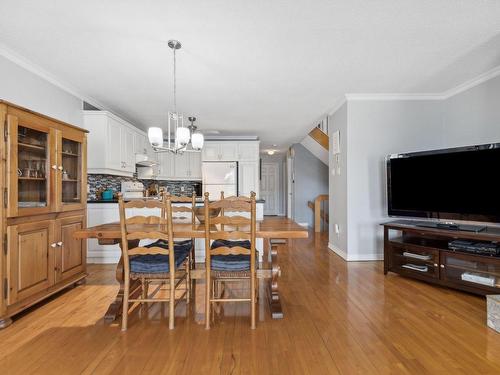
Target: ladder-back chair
(154, 263)
(232, 254)
(189, 210)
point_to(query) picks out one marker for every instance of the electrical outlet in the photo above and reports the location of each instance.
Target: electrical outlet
(182, 188)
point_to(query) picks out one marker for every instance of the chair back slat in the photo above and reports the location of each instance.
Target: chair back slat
(153, 250)
(232, 205)
(147, 235)
(231, 220)
(235, 250)
(181, 209)
(230, 235)
(145, 220)
(142, 203)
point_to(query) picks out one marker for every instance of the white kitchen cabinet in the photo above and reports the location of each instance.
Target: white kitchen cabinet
(113, 159)
(110, 144)
(195, 165)
(166, 166)
(188, 166)
(248, 151)
(181, 165)
(220, 151)
(127, 149)
(140, 143)
(248, 178)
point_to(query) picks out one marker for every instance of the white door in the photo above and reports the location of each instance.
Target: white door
(195, 165)
(269, 185)
(289, 187)
(127, 149)
(248, 178)
(114, 142)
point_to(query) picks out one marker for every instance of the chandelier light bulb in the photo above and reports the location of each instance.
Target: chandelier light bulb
(182, 137)
(197, 141)
(155, 136)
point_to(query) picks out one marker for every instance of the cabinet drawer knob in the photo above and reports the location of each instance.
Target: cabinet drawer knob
(435, 264)
(442, 265)
(53, 245)
(54, 167)
(60, 167)
(59, 243)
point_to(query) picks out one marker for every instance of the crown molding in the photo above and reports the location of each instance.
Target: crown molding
(393, 96)
(28, 65)
(490, 74)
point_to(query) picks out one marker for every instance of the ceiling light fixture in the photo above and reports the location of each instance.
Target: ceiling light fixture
(183, 136)
(271, 152)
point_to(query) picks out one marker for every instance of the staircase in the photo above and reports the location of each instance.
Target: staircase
(320, 214)
(317, 141)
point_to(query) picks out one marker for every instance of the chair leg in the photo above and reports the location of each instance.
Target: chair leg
(208, 291)
(171, 302)
(252, 297)
(188, 283)
(126, 292)
(192, 262)
(145, 286)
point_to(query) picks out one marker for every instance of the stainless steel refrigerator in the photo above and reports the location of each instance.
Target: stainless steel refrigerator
(220, 176)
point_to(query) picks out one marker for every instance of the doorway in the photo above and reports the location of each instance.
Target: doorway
(269, 188)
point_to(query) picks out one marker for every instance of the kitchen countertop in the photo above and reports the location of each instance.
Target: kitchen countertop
(116, 201)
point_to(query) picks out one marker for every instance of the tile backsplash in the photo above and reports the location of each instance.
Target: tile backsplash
(99, 182)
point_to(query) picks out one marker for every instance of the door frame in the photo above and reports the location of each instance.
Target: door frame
(277, 199)
(289, 187)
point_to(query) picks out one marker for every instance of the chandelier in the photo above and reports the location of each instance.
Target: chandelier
(183, 136)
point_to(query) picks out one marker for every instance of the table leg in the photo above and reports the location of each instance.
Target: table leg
(273, 290)
(116, 307)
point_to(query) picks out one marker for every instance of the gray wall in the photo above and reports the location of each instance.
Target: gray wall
(311, 179)
(338, 183)
(376, 128)
(21, 87)
(473, 116)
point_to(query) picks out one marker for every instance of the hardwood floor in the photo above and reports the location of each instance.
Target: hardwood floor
(339, 319)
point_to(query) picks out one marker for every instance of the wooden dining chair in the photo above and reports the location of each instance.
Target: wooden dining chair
(155, 263)
(232, 254)
(189, 209)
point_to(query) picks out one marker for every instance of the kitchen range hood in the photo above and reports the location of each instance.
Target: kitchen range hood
(143, 160)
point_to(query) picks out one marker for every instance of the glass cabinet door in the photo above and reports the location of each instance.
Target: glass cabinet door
(473, 271)
(30, 154)
(71, 173)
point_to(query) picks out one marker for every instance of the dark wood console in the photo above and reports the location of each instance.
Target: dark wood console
(407, 245)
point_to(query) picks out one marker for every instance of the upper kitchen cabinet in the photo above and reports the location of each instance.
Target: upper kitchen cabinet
(220, 151)
(165, 168)
(188, 166)
(111, 144)
(231, 150)
(248, 151)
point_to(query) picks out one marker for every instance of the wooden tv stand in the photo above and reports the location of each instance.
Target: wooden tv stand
(442, 266)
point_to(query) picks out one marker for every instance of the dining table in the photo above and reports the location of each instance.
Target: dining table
(271, 230)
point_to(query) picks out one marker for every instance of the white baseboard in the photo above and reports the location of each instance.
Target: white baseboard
(306, 225)
(341, 253)
(355, 257)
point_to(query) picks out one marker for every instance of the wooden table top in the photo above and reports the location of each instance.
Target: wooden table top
(267, 228)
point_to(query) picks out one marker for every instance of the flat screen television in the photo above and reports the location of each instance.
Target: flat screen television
(453, 184)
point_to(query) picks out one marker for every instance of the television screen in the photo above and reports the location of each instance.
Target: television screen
(456, 184)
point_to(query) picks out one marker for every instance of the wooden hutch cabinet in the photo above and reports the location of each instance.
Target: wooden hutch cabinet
(43, 177)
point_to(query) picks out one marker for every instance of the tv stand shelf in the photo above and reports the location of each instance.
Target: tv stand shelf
(422, 253)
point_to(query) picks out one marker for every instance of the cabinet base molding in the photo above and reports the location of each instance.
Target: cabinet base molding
(16, 308)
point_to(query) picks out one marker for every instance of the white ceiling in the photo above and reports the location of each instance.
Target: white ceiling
(269, 68)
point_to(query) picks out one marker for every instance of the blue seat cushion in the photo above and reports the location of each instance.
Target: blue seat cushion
(159, 263)
(240, 262)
